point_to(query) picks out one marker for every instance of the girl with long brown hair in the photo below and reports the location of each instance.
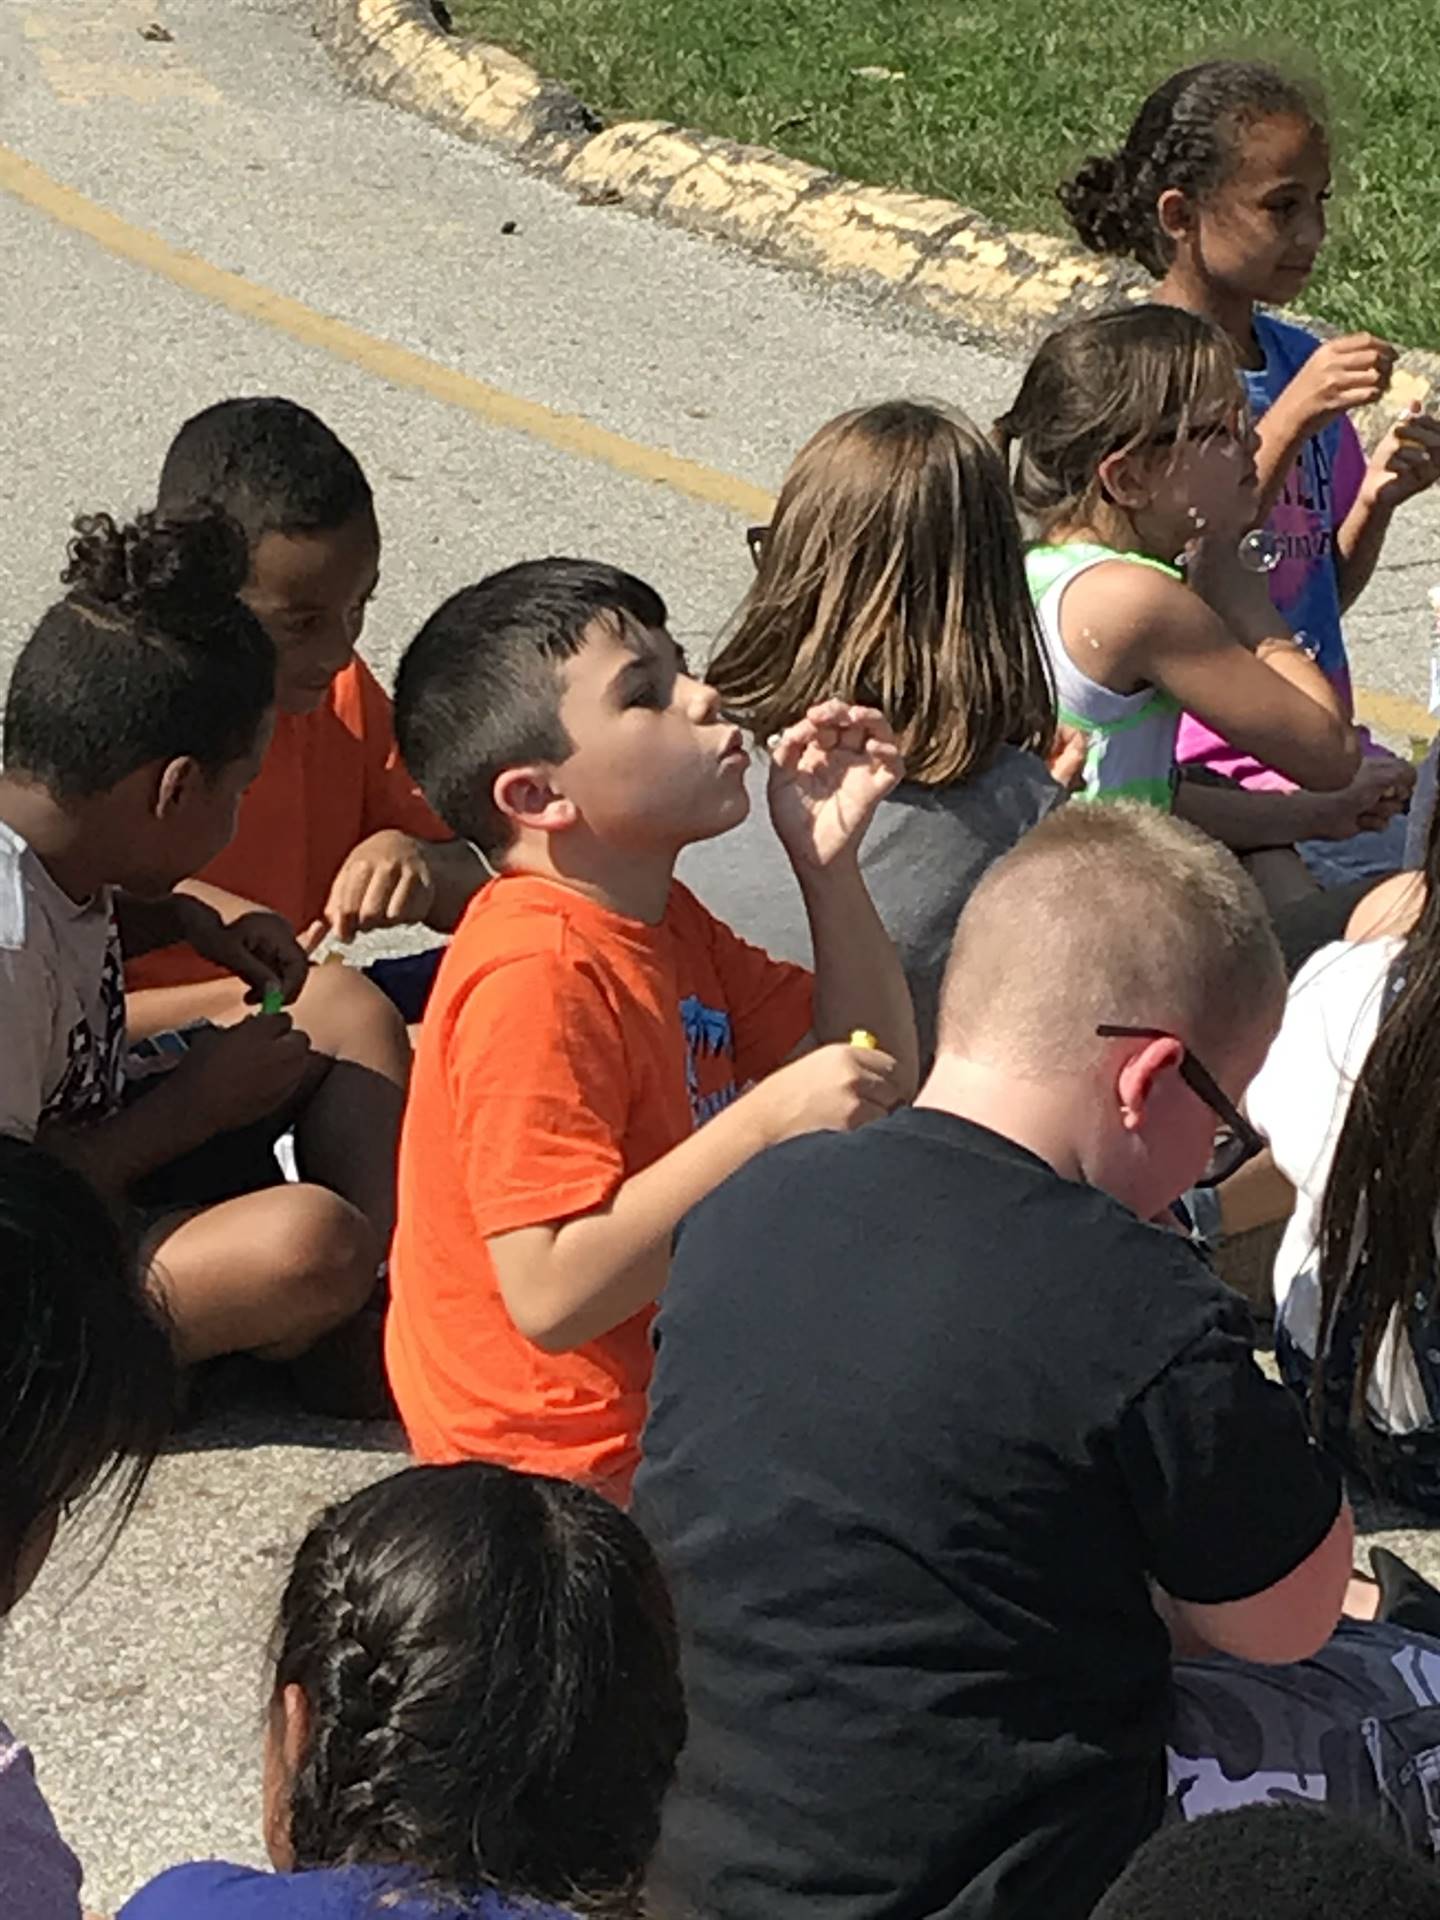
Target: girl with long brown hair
(1132, 455)
(892, 575)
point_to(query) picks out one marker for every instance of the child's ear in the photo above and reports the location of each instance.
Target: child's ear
(287, 1735)
(177, 781)
(1139, 1078)
(1125, 479)
(1175, 214)
(527, 798)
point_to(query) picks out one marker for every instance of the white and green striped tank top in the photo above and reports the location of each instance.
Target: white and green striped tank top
(1132, 735)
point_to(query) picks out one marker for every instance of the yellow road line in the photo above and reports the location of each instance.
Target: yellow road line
(1393, 715)
(567, 432)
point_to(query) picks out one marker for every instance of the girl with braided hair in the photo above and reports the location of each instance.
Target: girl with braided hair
(1219, 191)
(476, 1712)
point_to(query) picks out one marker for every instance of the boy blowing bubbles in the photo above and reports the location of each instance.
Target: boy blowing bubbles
(554, 1141)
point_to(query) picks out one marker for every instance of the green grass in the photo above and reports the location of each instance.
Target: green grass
(998, 97)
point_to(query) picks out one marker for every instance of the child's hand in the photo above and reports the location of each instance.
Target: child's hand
(1066, 758)
(1405, 463)
(258, 946)
(386, 882)
(832, 1090)
(1379, 791)
(1342, 374)
(232, 1076)
(828, 773)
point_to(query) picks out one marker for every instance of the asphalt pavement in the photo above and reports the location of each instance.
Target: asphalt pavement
(520, 375)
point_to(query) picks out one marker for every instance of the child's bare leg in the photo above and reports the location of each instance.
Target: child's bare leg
(162, 1009)
(347, 1133)
(269, 1273)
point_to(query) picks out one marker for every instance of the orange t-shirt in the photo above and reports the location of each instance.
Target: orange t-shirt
(330, 780)
(565, 1048)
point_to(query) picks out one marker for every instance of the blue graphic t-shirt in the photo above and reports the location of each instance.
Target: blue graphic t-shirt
(212, 1890)
(1319, 491)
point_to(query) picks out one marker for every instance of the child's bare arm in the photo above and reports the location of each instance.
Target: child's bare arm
(250, 941)
(566, 1283)
(227, 1079)
(1405, 463)
(392, 879)
(1248, 821)
(1230, 662)
(1340, 375)
(828, 774)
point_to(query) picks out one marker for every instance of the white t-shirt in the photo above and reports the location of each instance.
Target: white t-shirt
(62, 998)
(1298, 1100)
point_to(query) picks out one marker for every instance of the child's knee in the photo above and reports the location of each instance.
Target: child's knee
(349, 1017)
(326, 1249)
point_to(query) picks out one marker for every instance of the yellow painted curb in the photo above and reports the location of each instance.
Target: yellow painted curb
(931, 254)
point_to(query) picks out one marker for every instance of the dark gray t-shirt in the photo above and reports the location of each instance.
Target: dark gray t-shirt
(926, 849)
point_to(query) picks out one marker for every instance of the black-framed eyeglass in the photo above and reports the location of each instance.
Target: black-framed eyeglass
(757, 539)
(1236, 1142)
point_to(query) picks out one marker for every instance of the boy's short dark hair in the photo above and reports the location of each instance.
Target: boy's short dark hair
(1286, 1862)
(479, 687)
(272, 465)
(150, 656)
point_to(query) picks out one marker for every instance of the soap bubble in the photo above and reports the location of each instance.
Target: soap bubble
(1260, 550)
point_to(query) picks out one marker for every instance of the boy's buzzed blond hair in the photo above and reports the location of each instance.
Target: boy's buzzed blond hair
(1108, 914)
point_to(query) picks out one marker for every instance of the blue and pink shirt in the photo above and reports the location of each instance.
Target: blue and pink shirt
(1319, 491)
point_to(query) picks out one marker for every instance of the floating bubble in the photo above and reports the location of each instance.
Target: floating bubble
(1260, 550)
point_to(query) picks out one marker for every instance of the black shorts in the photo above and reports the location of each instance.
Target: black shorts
(221, 1168)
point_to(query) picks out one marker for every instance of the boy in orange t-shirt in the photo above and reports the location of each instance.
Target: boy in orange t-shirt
(599, 1051)
(333, 835)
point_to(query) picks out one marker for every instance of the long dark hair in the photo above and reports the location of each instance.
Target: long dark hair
(87, 1387)
(491, 1668)
(1377, 1220)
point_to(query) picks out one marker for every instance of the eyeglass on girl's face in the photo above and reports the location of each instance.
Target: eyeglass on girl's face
(1236, 1141)
(757, 539)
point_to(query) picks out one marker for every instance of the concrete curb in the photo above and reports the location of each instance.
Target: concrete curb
(933, 255)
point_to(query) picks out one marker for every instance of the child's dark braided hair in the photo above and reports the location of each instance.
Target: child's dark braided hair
(1184, 136)
(490, 1665)
(150, 656)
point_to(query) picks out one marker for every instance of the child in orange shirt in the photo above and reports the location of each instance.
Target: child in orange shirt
(588, 1064)
(333, 835)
